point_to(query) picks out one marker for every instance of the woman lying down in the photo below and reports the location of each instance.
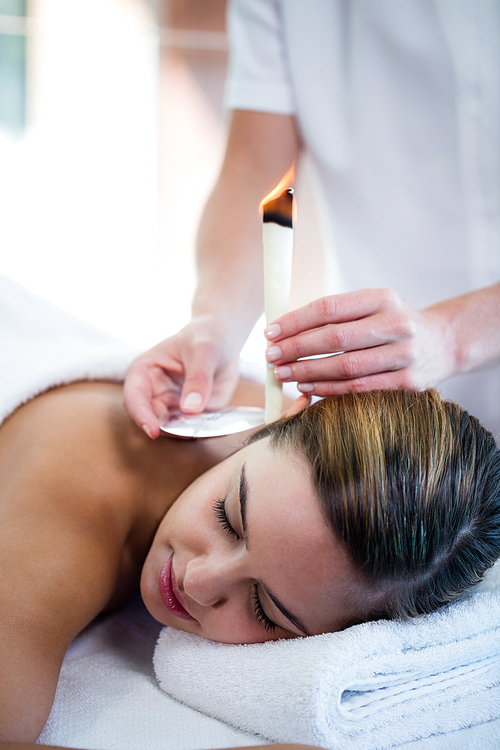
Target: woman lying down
(375, 505)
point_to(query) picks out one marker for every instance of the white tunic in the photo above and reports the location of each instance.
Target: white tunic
(398, 104)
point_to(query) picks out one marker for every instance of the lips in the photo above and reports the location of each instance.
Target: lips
(166, 585)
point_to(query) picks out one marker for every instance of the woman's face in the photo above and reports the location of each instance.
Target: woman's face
(244, 555)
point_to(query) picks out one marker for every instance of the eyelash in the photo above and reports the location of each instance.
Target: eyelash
(220, 512)
(260, 615)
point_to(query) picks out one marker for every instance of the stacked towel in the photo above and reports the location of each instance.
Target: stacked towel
(373, 686)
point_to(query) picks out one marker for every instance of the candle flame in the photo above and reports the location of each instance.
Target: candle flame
(286, 182)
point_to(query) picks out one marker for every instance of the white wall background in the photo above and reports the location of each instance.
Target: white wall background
(79, 189)
(101, 195)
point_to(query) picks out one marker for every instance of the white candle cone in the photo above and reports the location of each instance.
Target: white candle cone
(278, 255)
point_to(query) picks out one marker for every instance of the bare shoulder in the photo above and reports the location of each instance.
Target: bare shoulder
(65, 492)
(70, 438)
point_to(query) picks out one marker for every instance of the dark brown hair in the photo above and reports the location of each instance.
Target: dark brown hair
(411, 485)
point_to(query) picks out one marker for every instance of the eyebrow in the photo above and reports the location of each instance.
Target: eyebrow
(243, 496)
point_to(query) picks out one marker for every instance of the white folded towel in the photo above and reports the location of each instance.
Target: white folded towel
(42, 346)
(370, 687)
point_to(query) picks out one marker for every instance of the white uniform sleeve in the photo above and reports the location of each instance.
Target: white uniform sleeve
(258, 76)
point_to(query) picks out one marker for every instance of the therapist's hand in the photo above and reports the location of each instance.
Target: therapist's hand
(378, 339)
(193, 370)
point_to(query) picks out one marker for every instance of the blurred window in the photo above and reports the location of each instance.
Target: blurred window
(12, 64)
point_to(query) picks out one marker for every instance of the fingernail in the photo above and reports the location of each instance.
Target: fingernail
(146, 430)
(305, 387)
(272, 331)
(192, 402)
(283, 373)
(273, 353)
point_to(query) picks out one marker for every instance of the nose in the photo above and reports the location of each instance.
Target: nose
(210, 579)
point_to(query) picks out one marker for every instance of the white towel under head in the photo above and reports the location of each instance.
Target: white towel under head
(372, 686)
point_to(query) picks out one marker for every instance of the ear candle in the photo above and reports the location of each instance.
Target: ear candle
(277, 233)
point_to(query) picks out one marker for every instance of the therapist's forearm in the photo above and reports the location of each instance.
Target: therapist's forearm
(261, 148)
(229, 260)
(471, 328)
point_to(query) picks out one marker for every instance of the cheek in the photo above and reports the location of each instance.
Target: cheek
(190, 519)
(193, 511)
(232, 623)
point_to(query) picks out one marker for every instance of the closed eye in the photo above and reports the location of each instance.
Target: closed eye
(221, 515)
(260, 615)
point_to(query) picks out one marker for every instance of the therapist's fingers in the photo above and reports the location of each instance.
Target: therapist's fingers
(337, 308)
(201, 362)
(347, 365)
(380, 381)
(138, 401)
(210, 374)
(388, 345)
(152, 387)
(372, 331)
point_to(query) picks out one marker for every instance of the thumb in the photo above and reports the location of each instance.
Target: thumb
(199, 379)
